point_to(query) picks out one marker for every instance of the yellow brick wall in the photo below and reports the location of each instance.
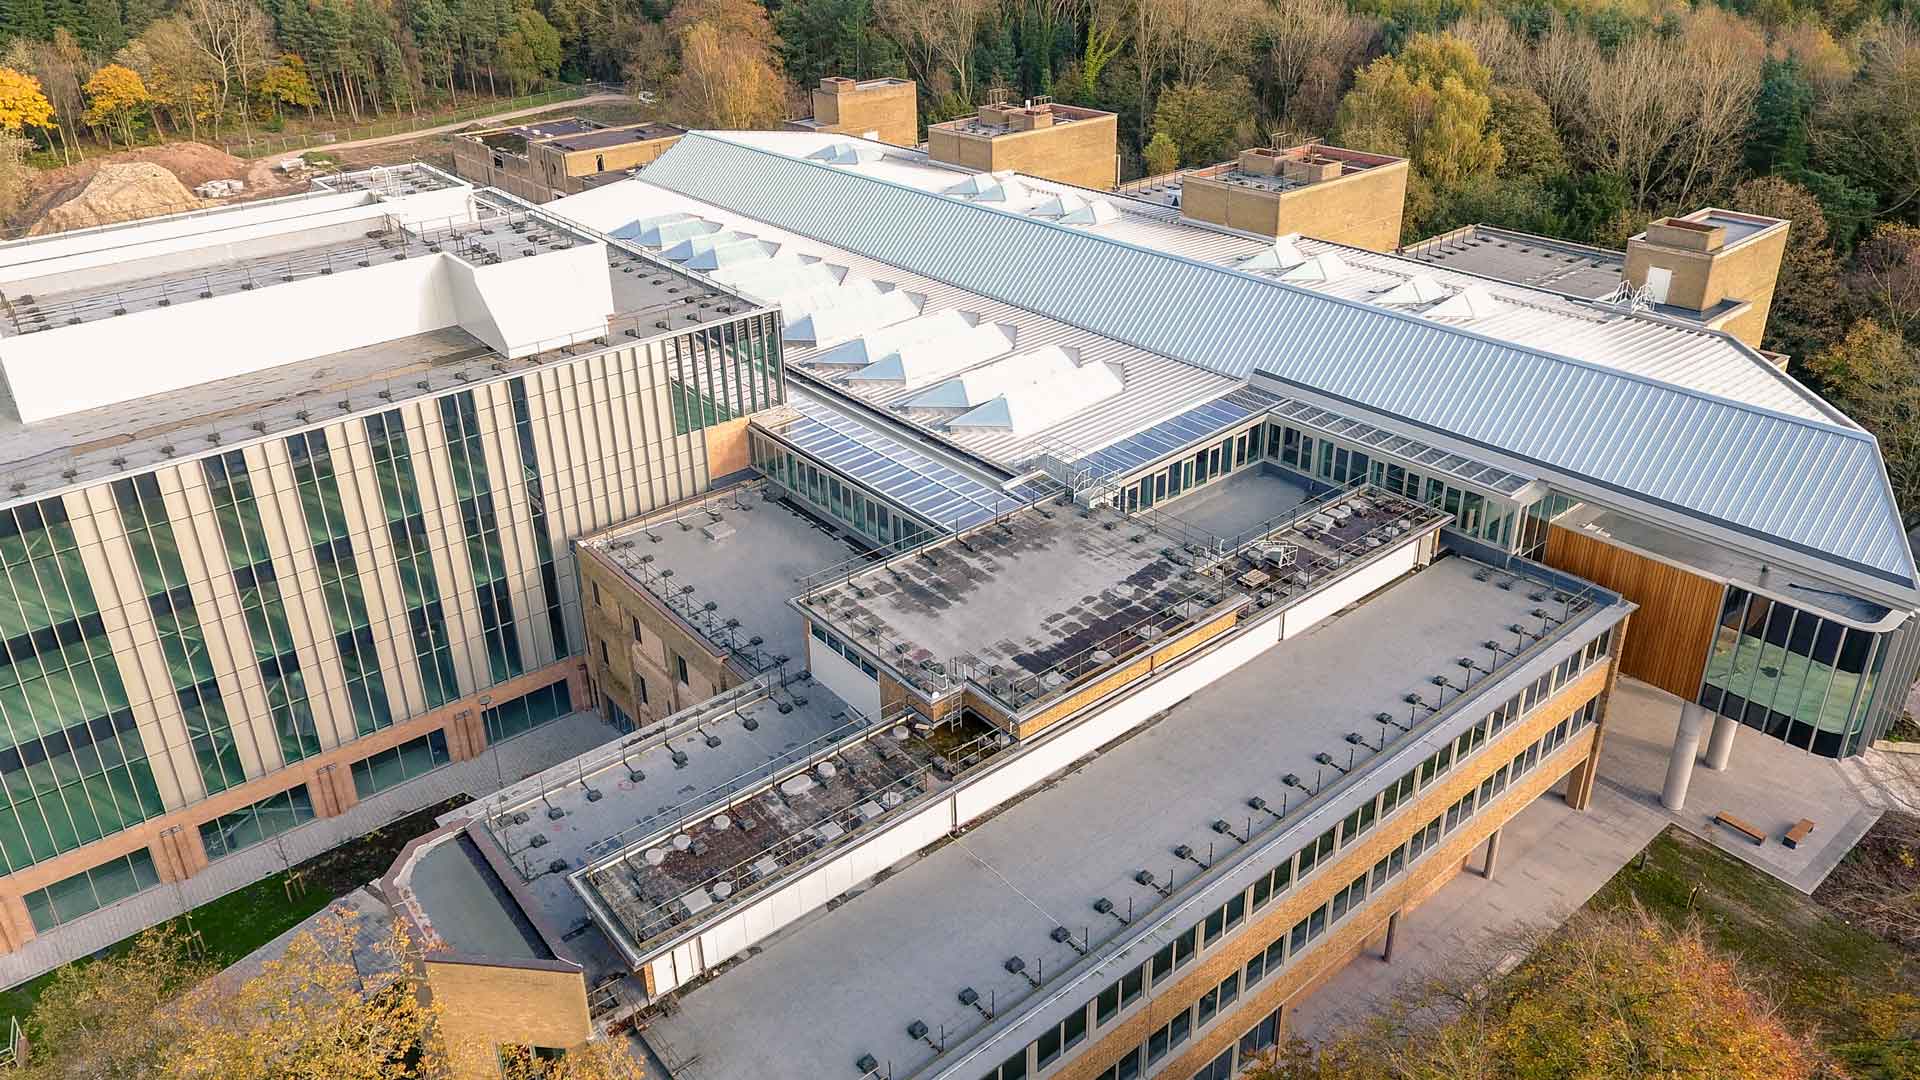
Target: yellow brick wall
(1081, 152)
(609, 622)
(1362, 208)
(1347, 937)
(487, 1005)
(892, 112)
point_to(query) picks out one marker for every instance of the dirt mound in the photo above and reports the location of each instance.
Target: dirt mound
(118, 192)
(190, 163)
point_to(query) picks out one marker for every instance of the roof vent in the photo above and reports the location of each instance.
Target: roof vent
(1472, 302)
(1418, 289)
(1324, 267)
(1280, 255)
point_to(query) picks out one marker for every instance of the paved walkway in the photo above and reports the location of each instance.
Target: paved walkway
(509, 761)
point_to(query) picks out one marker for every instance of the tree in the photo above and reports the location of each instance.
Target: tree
(1162, 154)
(231, 37)
(1778, 138)
(602, 1060)
(1871, 131)
(1884, 277)
(1806, 314)
(97, 1020)
(834, 37)
(1309, 44)
(286, 84)
(1873, 375)
(531, 50)
(311, 1013)
(1520, 121)
(22, 104)
(177, 74)
(728, 75)
(939, 39)
(1428, 104)
(115, 97)
(16, 175)
(1612, 994)
(1201, 120)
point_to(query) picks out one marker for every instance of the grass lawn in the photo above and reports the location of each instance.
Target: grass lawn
(247, 918)
(1856, 993)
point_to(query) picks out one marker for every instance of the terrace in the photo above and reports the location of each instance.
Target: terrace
(1032, 607)
(861, 977)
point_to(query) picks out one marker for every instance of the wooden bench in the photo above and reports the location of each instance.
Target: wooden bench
(1741, 827)
(1798, 834)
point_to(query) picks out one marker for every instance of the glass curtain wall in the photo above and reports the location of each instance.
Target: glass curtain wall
(407, 528)
(1203, 466)
(261, 604)
(720, 372)
(537, 511)
(473, 488)
(72, 767)
(832, 496)
(339, 580)
(156, 554)
(1801, 677)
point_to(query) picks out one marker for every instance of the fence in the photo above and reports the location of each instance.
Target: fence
(257, 145)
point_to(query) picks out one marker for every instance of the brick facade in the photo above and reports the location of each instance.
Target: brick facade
(1347, 938)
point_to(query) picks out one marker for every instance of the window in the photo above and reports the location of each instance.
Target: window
(636, 630)
(1256, 968)
(1229, 990)
(250, 825)
(1131, 986)
(680, 668)
(1209, 1005)
(526, 712)
(1183, 946)
(1073, 1030)
(1179, 1029)
(1048, 1048)
(640, 688)
(378, 772)
(1107, 1005)
(90, 890)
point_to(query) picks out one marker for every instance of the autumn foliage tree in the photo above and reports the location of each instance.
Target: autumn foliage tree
(116, 97)
(729, 76)
(1616, 994)
(22, 104)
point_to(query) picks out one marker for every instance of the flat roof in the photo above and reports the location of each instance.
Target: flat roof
(741, 549)
(504, 237)
(1540, 262)
(1035, 604)
(468, 906)
(113, 440)
(653, 778)
(605, 137)
(848, 981)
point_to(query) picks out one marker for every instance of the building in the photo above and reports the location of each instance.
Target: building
(886, 110)
(291, 494)
(1042, 138)
(1127, 618)
(1326, 192)
(1715, 268)
(551, 159)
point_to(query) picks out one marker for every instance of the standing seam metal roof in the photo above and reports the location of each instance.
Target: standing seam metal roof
(1813, 486)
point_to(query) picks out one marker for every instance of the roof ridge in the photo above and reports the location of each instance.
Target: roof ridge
(1314, 296)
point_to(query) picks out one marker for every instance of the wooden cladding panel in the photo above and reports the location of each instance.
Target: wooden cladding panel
(1674, 627)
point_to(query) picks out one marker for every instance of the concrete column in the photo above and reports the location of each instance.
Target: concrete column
(1393, 931)
(1686, 748)
(1720, 743)
(1492, 862)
